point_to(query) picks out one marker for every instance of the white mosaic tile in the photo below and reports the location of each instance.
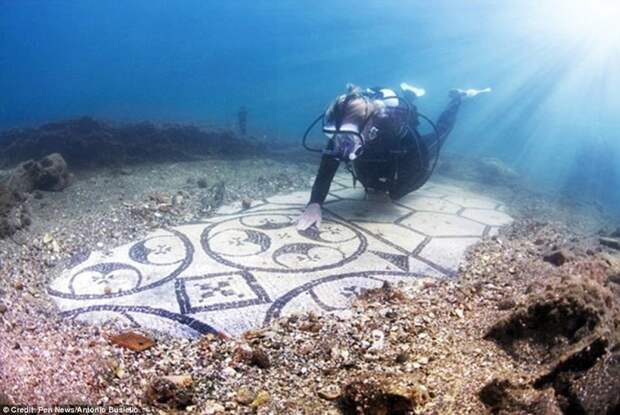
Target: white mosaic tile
(447, 252)
(423, 203)
(442, 224)
(489, 217)
(468, 201)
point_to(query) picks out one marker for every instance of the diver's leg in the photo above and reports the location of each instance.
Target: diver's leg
(417, 164)
(446, 121)
(412, 168)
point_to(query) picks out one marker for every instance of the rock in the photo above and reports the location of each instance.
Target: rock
(245, 396)
(329, 393)
(613, 243)
(25, 220)
(49, 173)
(3, 308)
(502, 396)
(402, 358)
(47, 238)
(201, 183)
(558, 257)
(261, 399)
(55, 247)
(164, 392)
(14, 212)
(555, 319)
(214, 197)
(378, 341)
(243, 353)
(184, 381)
(376, 393)
(246, 203)
(133, 341)
(212, 408)
(492, 170)
(597, 391)
(177, 200)
(160, 198)
(311, 326)
(260, 358)
(229, 372)
(506, 304)
(217, 192)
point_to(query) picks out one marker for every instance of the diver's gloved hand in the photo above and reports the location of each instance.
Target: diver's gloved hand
(467, 93)
(311, 216)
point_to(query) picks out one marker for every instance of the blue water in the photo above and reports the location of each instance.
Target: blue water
(552, 115)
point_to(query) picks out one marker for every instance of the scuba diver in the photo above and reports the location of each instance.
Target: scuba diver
(375, 133)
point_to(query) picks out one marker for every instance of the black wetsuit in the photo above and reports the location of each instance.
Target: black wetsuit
(389, 163)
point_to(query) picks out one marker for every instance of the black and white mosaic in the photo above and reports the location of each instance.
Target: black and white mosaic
(245, 268)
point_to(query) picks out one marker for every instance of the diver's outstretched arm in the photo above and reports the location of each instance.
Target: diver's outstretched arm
(322, 182)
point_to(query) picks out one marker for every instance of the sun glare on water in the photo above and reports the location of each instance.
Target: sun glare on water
(594, 20)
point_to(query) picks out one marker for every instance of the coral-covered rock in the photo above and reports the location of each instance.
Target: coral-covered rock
(572, 326)
(502, 396)
(597, 392)
(566, 312)
(558, 257)
(14, 213)
(49, 173)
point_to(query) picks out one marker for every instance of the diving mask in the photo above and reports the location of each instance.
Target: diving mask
(344, 145)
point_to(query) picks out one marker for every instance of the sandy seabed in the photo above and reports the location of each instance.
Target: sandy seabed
(512, 333)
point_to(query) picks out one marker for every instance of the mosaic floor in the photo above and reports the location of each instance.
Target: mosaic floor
(244, 268)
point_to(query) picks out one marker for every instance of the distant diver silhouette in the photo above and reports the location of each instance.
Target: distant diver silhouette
(242, 120)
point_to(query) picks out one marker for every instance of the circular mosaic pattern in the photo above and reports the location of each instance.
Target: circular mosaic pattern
(159, 250)
(267, 242)
(90, 280)
(156, 260)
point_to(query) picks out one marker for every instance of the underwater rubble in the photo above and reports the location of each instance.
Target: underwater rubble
(14, 211)
(514, 334)
(86, 142)
(38, 159)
